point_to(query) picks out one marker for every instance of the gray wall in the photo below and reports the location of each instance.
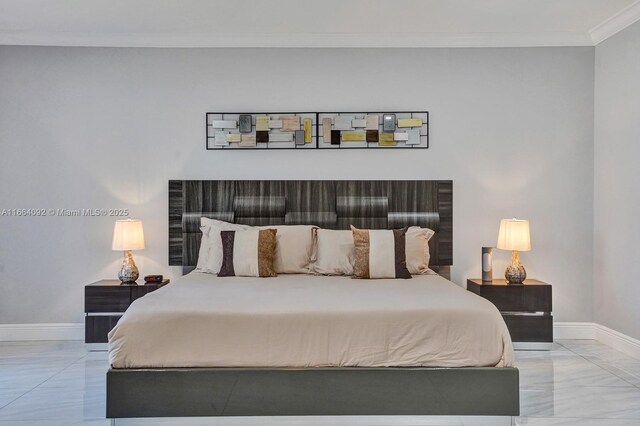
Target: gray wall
(617, 182)
(106, 128)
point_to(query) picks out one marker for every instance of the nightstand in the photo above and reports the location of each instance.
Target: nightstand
(526, 308)
(104, 303)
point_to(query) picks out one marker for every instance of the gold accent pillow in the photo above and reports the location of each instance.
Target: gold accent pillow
(380, 253)
(248, 253)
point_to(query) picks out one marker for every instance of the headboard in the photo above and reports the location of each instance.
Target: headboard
(336, 204)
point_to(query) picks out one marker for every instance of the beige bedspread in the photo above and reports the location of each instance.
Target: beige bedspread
(201, 320)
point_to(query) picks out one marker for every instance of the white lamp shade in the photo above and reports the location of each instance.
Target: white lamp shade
(128, 235)
(514, 235)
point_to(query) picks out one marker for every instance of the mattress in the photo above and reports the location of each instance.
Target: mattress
(201, 320)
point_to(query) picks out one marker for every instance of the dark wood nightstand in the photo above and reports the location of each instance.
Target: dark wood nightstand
(526, 308)
(104, 303)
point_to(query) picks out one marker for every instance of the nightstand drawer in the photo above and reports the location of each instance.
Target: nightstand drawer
(530, 328)
(519, 297)
(97, 327)
(107, 299)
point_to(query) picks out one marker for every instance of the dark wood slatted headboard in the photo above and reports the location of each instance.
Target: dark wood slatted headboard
(336, 204)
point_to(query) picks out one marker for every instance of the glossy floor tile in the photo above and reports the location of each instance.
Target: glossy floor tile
(578, 382)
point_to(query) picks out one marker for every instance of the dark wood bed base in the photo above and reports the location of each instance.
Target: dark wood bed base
(189, 392)
(199, 392)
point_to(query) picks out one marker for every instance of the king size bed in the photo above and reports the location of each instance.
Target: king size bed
(306, 344)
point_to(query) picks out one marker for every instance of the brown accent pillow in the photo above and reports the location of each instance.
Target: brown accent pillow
(380, 253)
(248, 253)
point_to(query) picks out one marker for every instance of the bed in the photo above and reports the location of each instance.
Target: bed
(304, 344)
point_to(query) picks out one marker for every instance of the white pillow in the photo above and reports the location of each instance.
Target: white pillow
(210, 255)
(417, 250)
(334, 252)
(294, 248)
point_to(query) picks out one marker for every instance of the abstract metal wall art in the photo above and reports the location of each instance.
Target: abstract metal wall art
(373, 130)
(321, 130)
(261, 130)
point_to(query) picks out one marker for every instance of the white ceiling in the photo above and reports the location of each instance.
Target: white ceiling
(313, 23)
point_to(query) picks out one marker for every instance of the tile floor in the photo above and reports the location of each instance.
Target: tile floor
(578, 382)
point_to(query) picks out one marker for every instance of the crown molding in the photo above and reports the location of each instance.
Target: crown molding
(303, 40)
(616, 23)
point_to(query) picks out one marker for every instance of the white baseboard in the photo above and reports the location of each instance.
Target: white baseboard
(25, 332)
(618, 341)
(574, 331)
(592, 331)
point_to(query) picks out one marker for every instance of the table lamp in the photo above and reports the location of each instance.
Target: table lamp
(514, 236)
(127, 236)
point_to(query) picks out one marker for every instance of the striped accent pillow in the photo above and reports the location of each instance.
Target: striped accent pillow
(380, 253)
(248, 253)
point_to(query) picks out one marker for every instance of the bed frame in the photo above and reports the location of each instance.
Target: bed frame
(187, 392)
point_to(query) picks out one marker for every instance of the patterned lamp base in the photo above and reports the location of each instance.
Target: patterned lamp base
(515, 273)
(129, 272)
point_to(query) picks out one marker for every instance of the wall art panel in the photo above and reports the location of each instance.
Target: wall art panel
(373, 130)
(282, 130)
